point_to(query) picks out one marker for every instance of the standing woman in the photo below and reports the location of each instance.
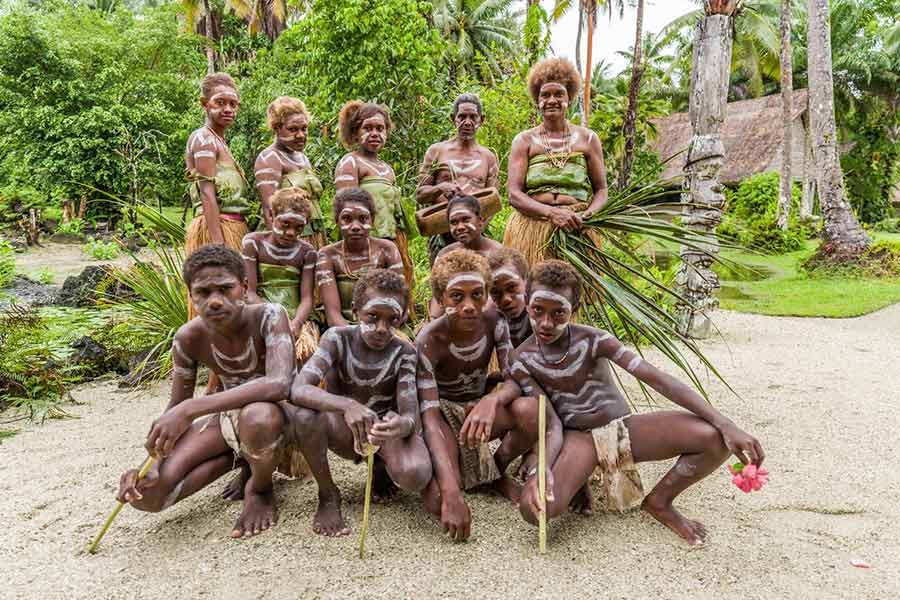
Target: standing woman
(283, 165)
(556, 170)
(364, 129)
(218, 188)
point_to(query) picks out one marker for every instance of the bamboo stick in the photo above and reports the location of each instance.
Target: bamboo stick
(542, 473)
(145, 468)
(370, 462)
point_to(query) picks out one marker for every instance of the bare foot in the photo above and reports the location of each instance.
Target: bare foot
(663, 511)
(259, 514)
(328, 520)
(234, 491)
(582, 502)
(383, 487)
(508, 488)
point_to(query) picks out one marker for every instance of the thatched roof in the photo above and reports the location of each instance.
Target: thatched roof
(752, 134)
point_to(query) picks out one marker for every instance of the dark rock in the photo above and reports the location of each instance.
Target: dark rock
(67, 238)
(26, 291)
(88, 351)
(141, 368)
(81, 290)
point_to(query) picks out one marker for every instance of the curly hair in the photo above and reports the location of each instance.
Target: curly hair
(213, 255)
(383, 282)
(509, 257)
(346, 195)
(352, 116)
(554, 70)
(557, 275)
(290, 199)
(458, 261)
(467, 99)
(467, 201)
(283, 107)
(214, 80)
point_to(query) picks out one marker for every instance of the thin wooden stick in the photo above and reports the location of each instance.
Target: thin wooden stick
(115, 513)
(370, 462)
(542, 473)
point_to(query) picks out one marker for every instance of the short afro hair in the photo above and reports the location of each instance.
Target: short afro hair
(214, 80)
(467, 99)
(466, 201)
(554, 70)
(509, 257)
(213, 255)
(557, 275)
(354, 194)
(458, 261)
(382, 281)
(283, 107)
(352, 116)
(290, 199)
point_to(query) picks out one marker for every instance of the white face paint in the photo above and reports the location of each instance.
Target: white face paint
(553, 297)
(559, 329)
(292, 215)
(450, 310)
(508, 272)
(465, 277)
(458, 211)
(277, 230)
(471, 226)
(388, 302)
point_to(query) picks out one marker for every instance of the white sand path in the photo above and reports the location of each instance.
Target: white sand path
(822, 396)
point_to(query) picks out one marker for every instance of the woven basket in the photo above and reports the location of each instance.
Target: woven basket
(432, 220)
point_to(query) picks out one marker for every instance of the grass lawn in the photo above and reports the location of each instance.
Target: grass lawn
(789, 291)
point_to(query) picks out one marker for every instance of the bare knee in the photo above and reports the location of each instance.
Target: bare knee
(525, 412)
(413, 474)
(712, 441)
(260, 424)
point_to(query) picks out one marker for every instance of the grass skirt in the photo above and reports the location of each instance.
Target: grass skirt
(307, 342)
(233, 233)
(408, 270)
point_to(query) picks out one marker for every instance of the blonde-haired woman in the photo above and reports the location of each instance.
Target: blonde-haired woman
(283, 164)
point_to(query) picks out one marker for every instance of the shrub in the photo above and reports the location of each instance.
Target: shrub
(891, 225)
(100, 250)
(7, 263)
(43, 276)
(72, 227)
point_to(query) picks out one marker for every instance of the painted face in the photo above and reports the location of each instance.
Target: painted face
(467, 120)
(550, 311)
(553, 99)
(293, 132)
(354, 221)
(288, 227)
(372, 134)
(508, 292)
(465, 225)
(218, 295)
(222, 105)
(379, 317)
(464, 299)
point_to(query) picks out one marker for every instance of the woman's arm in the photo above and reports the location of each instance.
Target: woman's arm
(250, 254)
(268, 171)
(206, 152)
(346, 175)
(597, 173)
(331, 298)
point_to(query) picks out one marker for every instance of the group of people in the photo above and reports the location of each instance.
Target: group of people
(308, 347)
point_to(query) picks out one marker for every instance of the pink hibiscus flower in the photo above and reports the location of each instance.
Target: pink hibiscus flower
(748, 478)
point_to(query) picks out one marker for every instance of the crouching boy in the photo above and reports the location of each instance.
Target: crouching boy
(370, 397)
(593, 428)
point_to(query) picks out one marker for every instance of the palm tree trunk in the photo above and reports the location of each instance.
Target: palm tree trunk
(210, 46)
(787, 110)
(634, 86)
(578, 35)
(587, 65)
(841, 229)
(702, 195)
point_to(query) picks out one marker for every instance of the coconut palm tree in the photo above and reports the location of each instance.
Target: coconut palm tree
(787, 92)
(634, 85)
(842, 231)
(193, 11)
(268, 16)
(485, 28)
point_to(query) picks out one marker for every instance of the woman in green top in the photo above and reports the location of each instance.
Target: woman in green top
(283, 164)
(364, 129)
(218, 188)
(556, 170)
(343, 263)
(281, 266)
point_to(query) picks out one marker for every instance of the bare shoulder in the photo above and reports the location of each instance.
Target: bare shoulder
(431, 335)
(406, 348)
(331, 249)
(448, 248)
(492, 316)
(190, 338)
(255, 236)
(382, 244)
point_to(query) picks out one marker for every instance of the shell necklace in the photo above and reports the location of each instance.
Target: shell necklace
(557, 159)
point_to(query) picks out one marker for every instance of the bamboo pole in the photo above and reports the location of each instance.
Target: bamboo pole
(370, 462)
(92, 549)
(542, 473)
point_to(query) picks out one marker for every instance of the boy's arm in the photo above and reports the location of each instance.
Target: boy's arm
(273, 387)
(532, 389)
(493, 174)
(250, 254)
(393, 260)
(406, 423)
(502, 344)
(740, 443)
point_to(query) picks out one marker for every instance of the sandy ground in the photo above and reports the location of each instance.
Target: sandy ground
(821, 395)
(62, 260)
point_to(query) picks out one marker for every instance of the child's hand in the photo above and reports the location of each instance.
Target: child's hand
(393, 427)
(130, 487)
(742, 444)
(166, 430)
(531, 497)
(478, 424)
(296, 326)
(359, 418)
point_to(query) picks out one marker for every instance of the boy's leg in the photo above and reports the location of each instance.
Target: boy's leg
(572, 469)
(260, 430)
(431, 496)
(700, 448)
(313, 432)
(407, 462)
(200, 457)
(517, 424)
